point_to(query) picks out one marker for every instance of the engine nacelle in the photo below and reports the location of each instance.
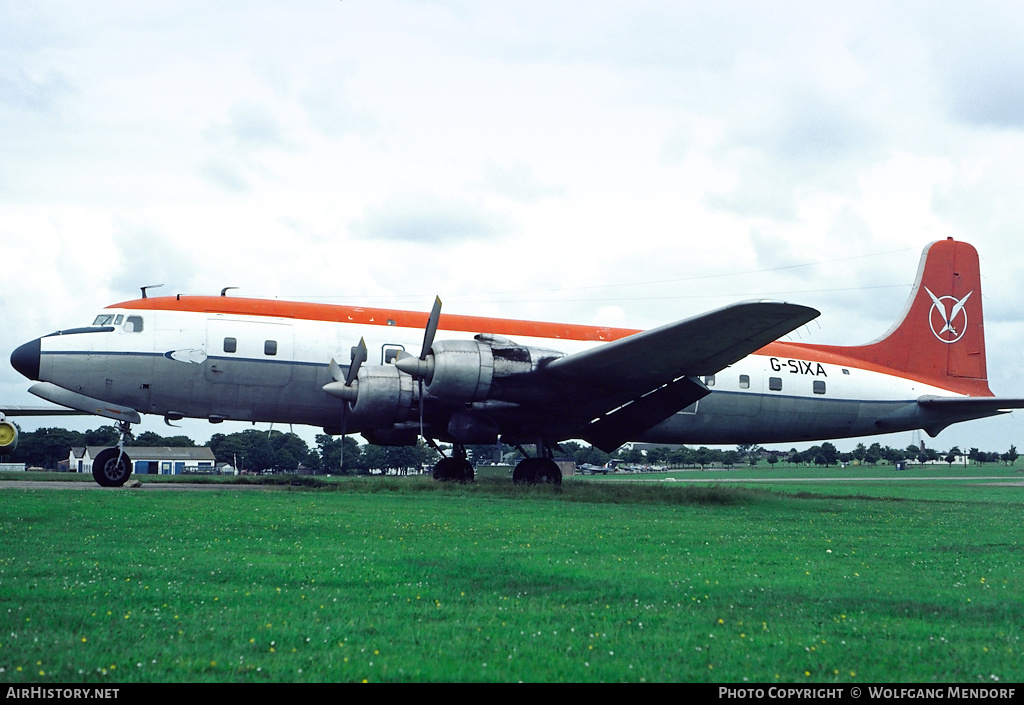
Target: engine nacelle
(8, 436)
(384, 396)
(468, 370)
(462, 370)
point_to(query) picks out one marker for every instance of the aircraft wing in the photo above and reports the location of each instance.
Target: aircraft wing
(40, 411)
(634, 383)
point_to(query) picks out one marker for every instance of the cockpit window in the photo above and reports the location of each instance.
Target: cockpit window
(133, 324)
(108, 319)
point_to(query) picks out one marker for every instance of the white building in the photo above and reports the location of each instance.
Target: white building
(159, 460)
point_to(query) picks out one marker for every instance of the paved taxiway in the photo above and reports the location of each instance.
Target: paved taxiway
(60, 485)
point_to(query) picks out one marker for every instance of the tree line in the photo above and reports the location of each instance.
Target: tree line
(258, 451)
(248, 451)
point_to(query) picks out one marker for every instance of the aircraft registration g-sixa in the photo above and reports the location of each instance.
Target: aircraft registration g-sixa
(719, 378)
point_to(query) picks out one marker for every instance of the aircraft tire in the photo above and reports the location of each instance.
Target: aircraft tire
(537, 471)
(110, 471)
(547, 473)
(525, 472)
(453, 470)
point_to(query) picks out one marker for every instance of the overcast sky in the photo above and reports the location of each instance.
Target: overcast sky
(625, 164)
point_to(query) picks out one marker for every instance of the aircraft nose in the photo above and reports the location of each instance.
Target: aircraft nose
(26, 359)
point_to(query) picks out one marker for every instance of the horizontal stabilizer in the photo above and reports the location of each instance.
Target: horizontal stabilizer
(983, 405)
(940, 412)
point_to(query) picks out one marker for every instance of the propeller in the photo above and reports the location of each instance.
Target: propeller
(423, 366)
(345, 385)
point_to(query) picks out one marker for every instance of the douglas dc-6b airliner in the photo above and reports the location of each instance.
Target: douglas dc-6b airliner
(718, 378)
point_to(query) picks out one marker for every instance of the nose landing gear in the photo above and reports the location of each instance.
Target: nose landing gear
(112, 467)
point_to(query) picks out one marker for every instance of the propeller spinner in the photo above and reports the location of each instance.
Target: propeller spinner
(346, 386)
(422, 367)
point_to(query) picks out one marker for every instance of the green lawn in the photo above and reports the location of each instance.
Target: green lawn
(399, 579)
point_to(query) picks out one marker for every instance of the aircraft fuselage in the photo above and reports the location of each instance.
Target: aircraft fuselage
(268, 369)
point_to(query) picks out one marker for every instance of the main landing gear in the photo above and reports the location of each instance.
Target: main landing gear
(537, 471)
(454, 468)
(530, 471)
(112, 467)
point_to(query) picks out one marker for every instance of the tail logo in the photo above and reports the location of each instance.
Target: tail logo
(948, 325)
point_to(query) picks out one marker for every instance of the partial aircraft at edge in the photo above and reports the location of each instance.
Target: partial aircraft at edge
(718, 378)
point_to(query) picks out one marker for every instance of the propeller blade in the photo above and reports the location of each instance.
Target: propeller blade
(428, 337)
(358, 358)
(421, 367)
(336, 373)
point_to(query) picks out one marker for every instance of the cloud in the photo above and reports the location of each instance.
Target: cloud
(517, 181)
(148, 256)
(228, 174)
(240, 144)
(978, 57)
(39, 93)
(989, 91)
(429, 220)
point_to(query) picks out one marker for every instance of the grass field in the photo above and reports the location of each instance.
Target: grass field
(400, 579)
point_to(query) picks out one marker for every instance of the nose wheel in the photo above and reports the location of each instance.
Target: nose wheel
(112, 467)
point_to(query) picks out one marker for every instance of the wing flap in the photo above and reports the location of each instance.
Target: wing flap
(619, 425)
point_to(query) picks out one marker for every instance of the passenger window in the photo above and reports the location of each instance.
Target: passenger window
(819, 386)
(710, 380)
(270, 347)
(230, 345)
(775, 384)
(744, 381)
(133, 324)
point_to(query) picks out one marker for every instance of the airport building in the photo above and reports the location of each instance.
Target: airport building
(159, 460)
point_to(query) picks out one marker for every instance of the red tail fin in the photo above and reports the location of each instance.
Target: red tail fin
(940, 339)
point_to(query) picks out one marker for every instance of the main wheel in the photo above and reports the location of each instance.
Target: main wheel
(453, 470)
(111, 468)
(548, 473)
(525, 472)
(533, 471)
